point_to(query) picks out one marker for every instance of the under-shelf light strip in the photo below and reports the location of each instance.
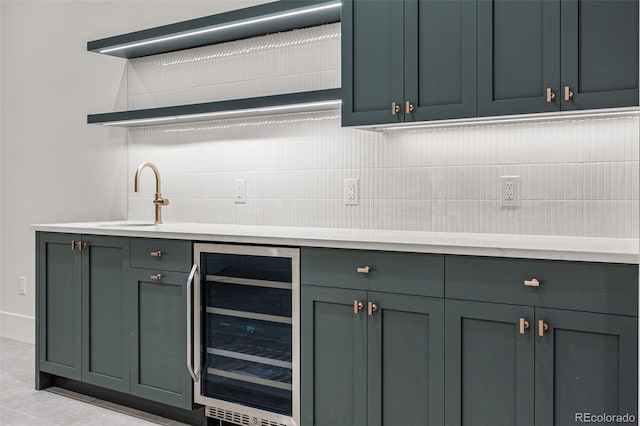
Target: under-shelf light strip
(224, 27)
(217, 114)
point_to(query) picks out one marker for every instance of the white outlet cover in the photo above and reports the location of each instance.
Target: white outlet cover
(22, 286)
(509, 191)
(240, 191)
(351, 192)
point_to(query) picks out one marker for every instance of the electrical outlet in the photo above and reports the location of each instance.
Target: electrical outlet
(351, 193)
(22, 286)
(509, 191)
(240, 196)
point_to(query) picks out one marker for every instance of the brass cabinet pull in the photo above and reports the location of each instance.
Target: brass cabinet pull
(524, 324)
(550, 95)
(371, 308)
(74, 244)
(156, 253)
(542, 327)
(532, 283)
(82, 245)
(364, 269)
(156, 277)
(357, 306)
(395, 108)
(568, 94)
(408, 107)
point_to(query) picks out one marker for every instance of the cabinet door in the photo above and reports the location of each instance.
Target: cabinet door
(105, 326)
(600, 53)
(159, 337)
(405, 361)
(59, 309)
(334, 357)
(585, 363)
(440, 59)
(372, 61)
(489, 366)
(518, 56)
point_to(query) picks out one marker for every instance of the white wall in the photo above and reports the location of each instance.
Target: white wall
(53, 166)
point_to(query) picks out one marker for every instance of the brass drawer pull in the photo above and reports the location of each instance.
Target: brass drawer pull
(156, 253)
(157, 277)
(82, 245)
(364, 269)
(568, 94)
(532, 283)
(74, 244)
(371, 308)
(395, 108)
(408, 107)
(550, 95)
(357, 306)
(524, 324)
(542, 327)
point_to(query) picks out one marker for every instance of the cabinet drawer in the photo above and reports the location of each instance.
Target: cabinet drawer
(583, 286)
(161, 254)
(408, 273)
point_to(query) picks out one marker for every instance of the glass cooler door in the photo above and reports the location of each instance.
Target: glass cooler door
(247, 330)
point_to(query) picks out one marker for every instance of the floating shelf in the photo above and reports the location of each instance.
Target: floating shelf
(283, 15)
(318, 100)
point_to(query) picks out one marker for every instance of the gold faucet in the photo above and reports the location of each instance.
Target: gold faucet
(158, 200)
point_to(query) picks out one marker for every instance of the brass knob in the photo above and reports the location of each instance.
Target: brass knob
(156, 277)
(363, 269)
(395, 108)
(82, 245)
(357, 306)
(371, 308)
(156, 253)
(524, 324)
(532, 283)
(550, 95)
(542, 327)
(408, 107)
(568, 94)
(74, 244)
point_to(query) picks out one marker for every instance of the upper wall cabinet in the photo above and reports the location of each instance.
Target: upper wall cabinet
(407, 60)
(551, 55)
(418, 60)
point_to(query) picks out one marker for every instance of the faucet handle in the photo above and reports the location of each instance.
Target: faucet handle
(161, 202)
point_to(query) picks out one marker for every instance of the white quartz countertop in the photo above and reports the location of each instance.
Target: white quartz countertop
(612, 250)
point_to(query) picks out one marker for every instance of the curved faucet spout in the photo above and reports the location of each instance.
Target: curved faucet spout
(158, 201)
(136, 185)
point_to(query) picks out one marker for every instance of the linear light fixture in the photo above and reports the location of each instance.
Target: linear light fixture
(225, 26)
(510, 119)
(312, 106)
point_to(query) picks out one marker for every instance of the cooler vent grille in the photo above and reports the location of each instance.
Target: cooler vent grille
(238, 418)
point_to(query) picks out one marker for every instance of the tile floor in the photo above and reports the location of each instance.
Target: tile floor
(22, 405)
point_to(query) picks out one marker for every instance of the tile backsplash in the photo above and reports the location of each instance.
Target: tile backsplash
(577, 177)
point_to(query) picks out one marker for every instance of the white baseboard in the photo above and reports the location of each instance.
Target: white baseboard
(17, 327)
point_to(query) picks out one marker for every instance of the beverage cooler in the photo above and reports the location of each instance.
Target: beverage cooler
(246, 333)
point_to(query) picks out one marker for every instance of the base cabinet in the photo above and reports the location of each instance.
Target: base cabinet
(158, 338)
(556, 365)
(105, 323)
(367, 356)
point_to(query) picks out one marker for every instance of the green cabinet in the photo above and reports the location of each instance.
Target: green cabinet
(372, 340)
(102, 322)
(407, 60)
(419, 60)
(58, 306)
(367, 356)
(551, 55)
(105, 303)
(520, 365)
(158, 327)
